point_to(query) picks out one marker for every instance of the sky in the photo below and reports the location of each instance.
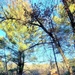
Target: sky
(2, 33)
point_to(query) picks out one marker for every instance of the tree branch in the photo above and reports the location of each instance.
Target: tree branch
(34, 24)
(37, 45)
(69, 14)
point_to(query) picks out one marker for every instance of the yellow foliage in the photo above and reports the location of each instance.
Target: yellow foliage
(20, 9)
(23, 29)
(57, 20)
(1, 64)
(27, 36)
(61, 6)
(10, 34)
(22, 46)
(17, 33)
(15, 30)
(1, 27)
(63, 18)
(72, 8)
(1, 37)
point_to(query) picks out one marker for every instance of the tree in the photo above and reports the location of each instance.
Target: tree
(18, 40)
(17, 35)
(42, 17)
(37, 16)
(70, 9)
(67, 13)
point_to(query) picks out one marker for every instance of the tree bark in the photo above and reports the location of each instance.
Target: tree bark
(6, 68)
(20, 63)
(71, 17)
(56, 61)
(65, 60)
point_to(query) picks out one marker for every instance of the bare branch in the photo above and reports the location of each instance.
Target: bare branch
(37, 45)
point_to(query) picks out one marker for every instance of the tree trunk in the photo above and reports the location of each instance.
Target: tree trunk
(6, 68)
(57, 44)
(71, 17)
(20, 63)
(73, 27)
(20, 69)
(56, 61)
(65, 60)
